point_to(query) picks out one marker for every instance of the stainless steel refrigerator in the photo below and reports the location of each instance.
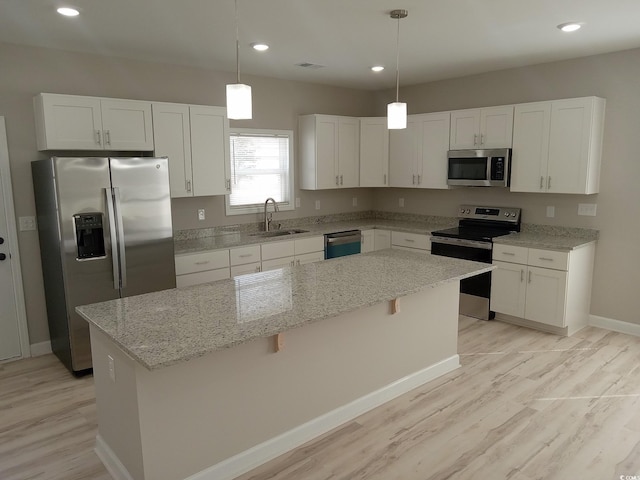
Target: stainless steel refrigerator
(105, 232)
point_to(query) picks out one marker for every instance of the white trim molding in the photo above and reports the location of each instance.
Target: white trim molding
(614, 325)
(42, 348)
(111, 462)
(262, 453)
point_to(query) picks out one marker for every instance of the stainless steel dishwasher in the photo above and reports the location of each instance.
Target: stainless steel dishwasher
(339, 244)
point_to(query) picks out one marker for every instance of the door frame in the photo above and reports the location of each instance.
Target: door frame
(18, 288)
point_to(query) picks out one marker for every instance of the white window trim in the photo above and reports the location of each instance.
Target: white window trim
(259, 208)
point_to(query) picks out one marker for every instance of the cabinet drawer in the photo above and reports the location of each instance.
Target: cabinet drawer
(309, 245)
(202, 277)
(199, 262)
(549, 259)
(309, 258)
(411, 240)
(278, 249)
(244, 255)
(509, 253)
(278, 263)
(247, 268)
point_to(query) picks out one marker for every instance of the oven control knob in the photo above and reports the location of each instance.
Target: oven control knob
(462, 210)
(467, 211)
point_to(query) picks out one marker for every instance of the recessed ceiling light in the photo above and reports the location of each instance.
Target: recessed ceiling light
(68, 12)
(377, 68)
(569, 27)
(261, 47)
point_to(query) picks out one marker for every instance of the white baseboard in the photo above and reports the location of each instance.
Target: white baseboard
(262, 453)
(614, 325)
(111, 462)
(42, 348)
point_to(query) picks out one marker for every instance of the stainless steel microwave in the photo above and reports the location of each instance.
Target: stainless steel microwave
(479, 168)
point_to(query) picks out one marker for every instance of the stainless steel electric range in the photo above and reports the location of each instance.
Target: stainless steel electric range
(472, 239)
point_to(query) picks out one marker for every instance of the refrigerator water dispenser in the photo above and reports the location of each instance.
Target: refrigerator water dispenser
(89, 235)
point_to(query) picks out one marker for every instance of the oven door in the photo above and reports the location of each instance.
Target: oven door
(475, 292)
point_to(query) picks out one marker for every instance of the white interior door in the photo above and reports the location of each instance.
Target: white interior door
(10, 321)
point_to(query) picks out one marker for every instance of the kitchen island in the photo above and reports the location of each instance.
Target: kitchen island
(197, 382)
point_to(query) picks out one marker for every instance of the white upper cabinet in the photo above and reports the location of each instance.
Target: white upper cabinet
(374, 152)
(330, 151)
(481, 128)
(418, 154)
(195, 138)
(71, 122)
(557, 146)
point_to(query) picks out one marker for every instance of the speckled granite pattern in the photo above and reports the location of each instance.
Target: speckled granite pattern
(549, 237)
(163, 328)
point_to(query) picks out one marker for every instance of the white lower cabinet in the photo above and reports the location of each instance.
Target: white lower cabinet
(381, 239)
(366, 241)
(292, 252)
(543, 286)
(245, 260)
(195, 268)
(415, 242)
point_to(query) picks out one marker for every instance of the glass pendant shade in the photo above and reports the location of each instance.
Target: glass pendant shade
(239, 101)
(396, 115)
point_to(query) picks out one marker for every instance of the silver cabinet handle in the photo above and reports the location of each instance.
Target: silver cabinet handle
(298, 262)
(529, 276)
(511, 254)
(293, 263)
(385, 179)
(475, 139)
(337, 179)
(114, 238)
(228, 184)
(414, 179)
(98, 140)
(482, 139)
(107, 137)
(188, 185)
(202, 263)
(258, 268)
(409, 240)
(546, 259)
(521, 275)
(541, 183)
(549, 183)
(246, 255)
(341, 182)
(419, 179)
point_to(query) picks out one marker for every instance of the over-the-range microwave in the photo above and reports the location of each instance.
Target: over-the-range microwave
(479, 168)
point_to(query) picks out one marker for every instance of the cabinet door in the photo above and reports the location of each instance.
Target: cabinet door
(327, 175)
(531, 125)
(496, 127)
(209, 150)
(546, 297)
(349, 152)
(508, 288)
(569, 145)
(68, 122)
(432, 167)
(374, 152)
(381, 239)
(465, 129)
(404, 151)
(126, 124)
(172, 138)
(367, 241)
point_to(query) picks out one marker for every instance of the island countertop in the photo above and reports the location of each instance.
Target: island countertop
(163, 328)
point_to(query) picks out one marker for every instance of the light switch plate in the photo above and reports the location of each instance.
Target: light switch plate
(587, 209)
(317, 204)
(551, 211)
(201, 214)
(27, 223)
(401, 202)
(354, 201)
(297, 202)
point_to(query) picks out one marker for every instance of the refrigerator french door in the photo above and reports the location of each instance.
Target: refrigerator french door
(105, 232)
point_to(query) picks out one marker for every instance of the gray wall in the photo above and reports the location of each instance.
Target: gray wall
(612, 76)
(27, 71)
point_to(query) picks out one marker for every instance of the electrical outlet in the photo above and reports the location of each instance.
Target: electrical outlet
(297, 202)
(27, 223)
(112, 368)
(401, 202)
(354, 201)
(201, 214)
(317, 204)
(588, 209)
(551, 211)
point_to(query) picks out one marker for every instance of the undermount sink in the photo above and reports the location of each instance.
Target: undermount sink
(277, 233)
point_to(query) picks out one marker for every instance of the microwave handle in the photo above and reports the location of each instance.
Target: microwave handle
(489, 162)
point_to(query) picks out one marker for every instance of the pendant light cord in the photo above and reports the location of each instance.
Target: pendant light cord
(398, 61)
(237, 45)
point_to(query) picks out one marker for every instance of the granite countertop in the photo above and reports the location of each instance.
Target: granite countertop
(163, 328)
(548, 240)
(238, 239)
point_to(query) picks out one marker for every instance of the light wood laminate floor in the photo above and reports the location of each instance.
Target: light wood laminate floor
(525, 405)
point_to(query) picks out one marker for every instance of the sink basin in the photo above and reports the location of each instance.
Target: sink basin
(277, 233)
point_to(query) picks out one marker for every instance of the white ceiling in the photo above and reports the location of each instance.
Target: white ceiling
(439, 39)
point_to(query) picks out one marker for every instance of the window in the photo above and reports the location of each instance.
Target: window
(261, 167)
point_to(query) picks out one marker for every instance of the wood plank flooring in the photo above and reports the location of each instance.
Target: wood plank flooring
(525, 405)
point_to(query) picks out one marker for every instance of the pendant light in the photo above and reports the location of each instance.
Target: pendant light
(238, 94)
(397, 111)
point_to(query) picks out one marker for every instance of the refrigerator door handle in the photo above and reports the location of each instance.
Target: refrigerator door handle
(114, 238)
(121, 253)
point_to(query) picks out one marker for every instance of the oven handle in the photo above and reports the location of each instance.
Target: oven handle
(460, 242)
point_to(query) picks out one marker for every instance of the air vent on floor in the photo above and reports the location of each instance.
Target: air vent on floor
(312, 66)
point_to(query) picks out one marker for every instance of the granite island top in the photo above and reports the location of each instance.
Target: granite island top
(163, 328)
(237, 239)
